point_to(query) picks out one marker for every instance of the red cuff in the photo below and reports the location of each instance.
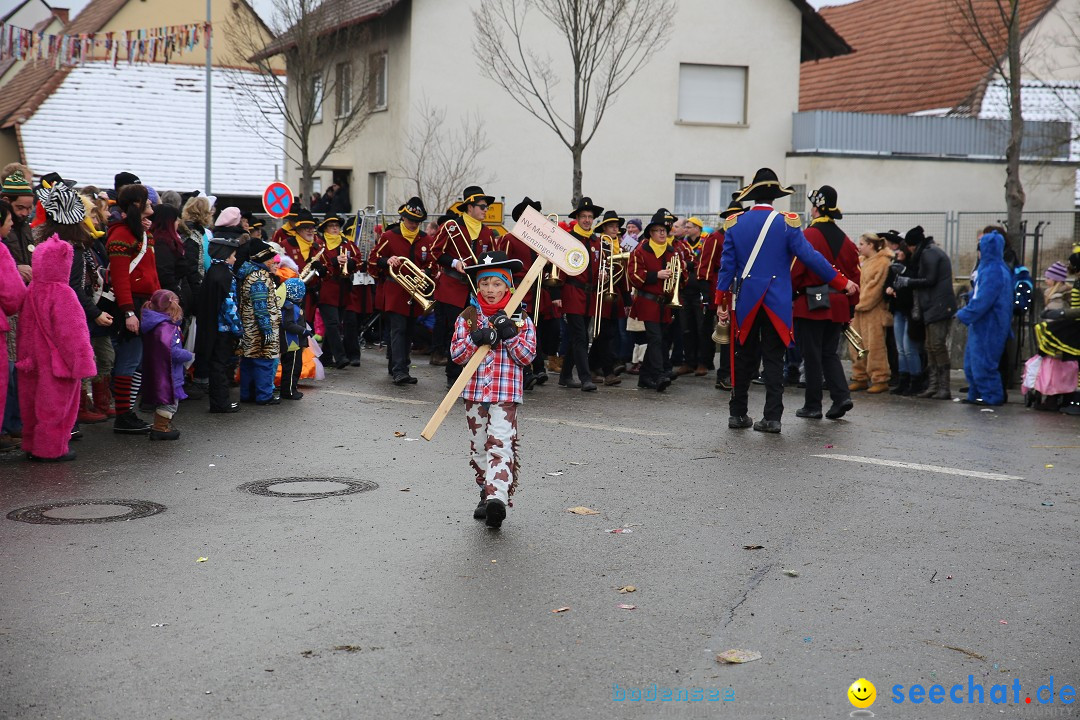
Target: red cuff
(839, 282)
(722, 298)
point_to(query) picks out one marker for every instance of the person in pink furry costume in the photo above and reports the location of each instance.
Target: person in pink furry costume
(54, 354)
(12, 292)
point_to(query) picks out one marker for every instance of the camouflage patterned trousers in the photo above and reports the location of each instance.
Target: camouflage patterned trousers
(493, 439)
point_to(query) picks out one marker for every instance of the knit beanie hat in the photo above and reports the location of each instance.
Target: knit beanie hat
(16, 184)
(1057, 272)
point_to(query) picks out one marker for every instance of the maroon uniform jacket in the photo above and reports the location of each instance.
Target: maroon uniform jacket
(650, 303)
(336, 287)
(829, 240)
(708, 268)
(392, 296)
(287, 240)
(515, 249)
(608, 308)
(452, 287)
(577, 292)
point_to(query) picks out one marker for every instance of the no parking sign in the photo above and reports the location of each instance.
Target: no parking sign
(277, 199)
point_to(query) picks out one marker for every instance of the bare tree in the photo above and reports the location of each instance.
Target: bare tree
(326, 100)
(992, 30)
(438, 161)
(607, 42)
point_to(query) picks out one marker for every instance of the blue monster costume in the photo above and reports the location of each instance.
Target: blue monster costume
(988, 316)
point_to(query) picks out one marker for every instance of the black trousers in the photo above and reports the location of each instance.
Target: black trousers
(399, 350)
(695, 323)
(602, 353)
(351, 334)
(763, 345)
(218, 366)
(819, 343)
(292, 364)
(577, 349)
(445, 317)
(669, 350)
(548, 342)
(333, 335)
(652, 364)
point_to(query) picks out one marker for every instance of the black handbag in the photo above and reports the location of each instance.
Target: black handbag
(817, 297)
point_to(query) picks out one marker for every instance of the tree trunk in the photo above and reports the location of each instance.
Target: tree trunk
(306, 184)
(576, 152)
(1014, 187)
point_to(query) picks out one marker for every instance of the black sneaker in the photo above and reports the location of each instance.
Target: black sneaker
(723, 384)
(294, 396)
(838, 410)
(230, 408)
(130, 424)
(767, 426)
(574, 384)
(541, 378)
(481, 508)
(808, 413)
(739, 422)
(495, 513)
(663, 383)
(271, 401)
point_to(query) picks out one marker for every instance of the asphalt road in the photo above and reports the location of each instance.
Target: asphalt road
(395, 603)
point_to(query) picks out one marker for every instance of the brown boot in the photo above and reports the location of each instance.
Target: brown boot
(878, 387)
(944, 380)
(163, 429)
(701, 371)
(857, 385)
(612, 380)
(103, 401)
(933, 377)
(87, 413)
(438, 358)
(555, 363)
(683, 370)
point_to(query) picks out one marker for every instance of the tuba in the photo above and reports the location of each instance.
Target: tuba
(364, 237)
(415, 282)
(855, 340)
(671, 285)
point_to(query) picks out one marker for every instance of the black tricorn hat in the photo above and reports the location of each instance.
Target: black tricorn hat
(331, 217)
(765, 186)
(413, 209)
(824, 199)
(303, 218)
(669, 217)
(892, 236)
(519, 209)
(659, 219)
(586, 205)
(733, 207)
(609, 216)
(494, 260)
(470, 196)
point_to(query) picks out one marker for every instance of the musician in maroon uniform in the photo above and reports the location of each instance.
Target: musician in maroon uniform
(515, 249)
(341, 261)
(303, 245)
(708, 271)
(461, 239)
(400, 242)
(576, 295)
(605, 244)
(648, 270)
(361, 306)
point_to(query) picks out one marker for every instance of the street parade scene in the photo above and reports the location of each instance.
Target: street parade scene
(348, 376)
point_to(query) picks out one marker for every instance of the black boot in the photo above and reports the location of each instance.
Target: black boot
(944, 379)
(481, 509)
(918, 384)
(903, 386)
(495, 513)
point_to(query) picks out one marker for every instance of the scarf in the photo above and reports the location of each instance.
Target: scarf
(586, 234)
(410, 236)
(332, 242)
(473, 225)
(304, 245)
(658, 248)
(821, 219)
(490, 310)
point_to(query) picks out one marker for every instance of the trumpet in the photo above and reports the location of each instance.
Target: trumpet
(309, 269)
(671, 285)
(855, 340)
(414, 281)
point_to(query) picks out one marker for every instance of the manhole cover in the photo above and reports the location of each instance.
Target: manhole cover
(317, 487)
(75, 512)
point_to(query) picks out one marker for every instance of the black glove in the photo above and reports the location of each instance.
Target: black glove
(504, 326)
(898, 267)
(484, 336)
(1052, 314)
(901, 282)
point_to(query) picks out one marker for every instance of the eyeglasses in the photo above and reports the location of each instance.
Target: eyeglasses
(482, 207)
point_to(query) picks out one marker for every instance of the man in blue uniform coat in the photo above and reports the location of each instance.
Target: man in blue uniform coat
(758, 285)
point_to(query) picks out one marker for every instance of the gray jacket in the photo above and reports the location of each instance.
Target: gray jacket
(933, 287)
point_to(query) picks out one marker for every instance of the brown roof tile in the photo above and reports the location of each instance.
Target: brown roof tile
(909, 56)
(39, 78)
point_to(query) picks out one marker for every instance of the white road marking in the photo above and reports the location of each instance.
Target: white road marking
(917, 466)
(608, 428)
(379, 398)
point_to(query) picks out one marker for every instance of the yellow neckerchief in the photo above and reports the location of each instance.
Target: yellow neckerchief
(586, 234)
(332, 241)
(695, 247)
(407, 234)
(304, 245)
(658, 248)
(473, 225)
(821, 219)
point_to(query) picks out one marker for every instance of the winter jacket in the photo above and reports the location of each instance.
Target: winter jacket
(259, 312)
(130, 282)
(933, 285)
(12, 289)
(163, 359)
(991, 303)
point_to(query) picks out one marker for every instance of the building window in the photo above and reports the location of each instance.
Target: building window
(317, 98)
(343, 88)
(797, 202)
(714, 94)
(377, 190)
(703, 195)
(379, 77)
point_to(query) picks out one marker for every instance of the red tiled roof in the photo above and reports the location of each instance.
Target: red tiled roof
(39, 78)
(910, 56)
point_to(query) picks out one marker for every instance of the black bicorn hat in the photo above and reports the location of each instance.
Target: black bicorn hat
(519, 209)
(413, 209)
(765, 186)
(330, 217)
(471, 195)
(586, 205)
(494, 260)
(609, 216)
(659, 219)
(733, 207)
(260, 251)
(824, 199)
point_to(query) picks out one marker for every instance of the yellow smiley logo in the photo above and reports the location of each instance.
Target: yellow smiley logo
(862, 693)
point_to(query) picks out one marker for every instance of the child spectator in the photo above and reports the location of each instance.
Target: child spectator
(163, 361)
(294, 335)
(494, 392)
(54, 355)
(871, 371)
(261, 321)
(218, 323)
(1056, 291)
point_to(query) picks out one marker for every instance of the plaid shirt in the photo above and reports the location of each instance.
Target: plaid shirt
(499, 377)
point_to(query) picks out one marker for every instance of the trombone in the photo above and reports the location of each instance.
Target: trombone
(671, 285)
(611, 267)
(457, 238)
(855, 340)
(414, 281)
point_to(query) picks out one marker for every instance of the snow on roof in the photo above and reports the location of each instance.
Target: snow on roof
(150, 120)
(1040, 101)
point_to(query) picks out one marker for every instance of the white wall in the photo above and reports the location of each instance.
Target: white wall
(1051, 51)
(908, 185)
